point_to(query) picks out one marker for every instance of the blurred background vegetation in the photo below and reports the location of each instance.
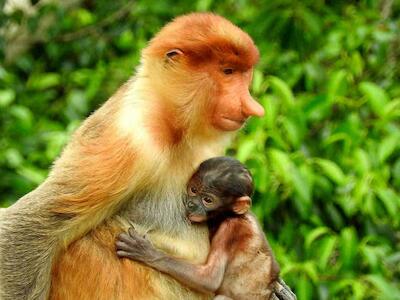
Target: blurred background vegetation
(325, 157)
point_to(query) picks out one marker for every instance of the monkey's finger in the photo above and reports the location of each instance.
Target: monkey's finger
(274, 297)
(284, 295)
(123, 246)
(132, 232)
(122, 253)
(283, 292)
(125, 238)
(286, 288)
(126, 245)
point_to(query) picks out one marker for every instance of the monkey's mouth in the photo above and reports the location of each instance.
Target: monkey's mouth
(196, 218)
(232, 124)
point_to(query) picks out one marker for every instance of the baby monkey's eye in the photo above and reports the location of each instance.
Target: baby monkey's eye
(193, 190)
(207, 200)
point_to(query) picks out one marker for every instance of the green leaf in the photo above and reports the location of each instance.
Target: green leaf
(317, 108)
(42, 81)
(33, 174)
(376, 96)
(362, 161)
(126, 40)
(292, 132)
(13, 157)
(332, 170)
(387, 146)
(304, 288)
(257, 84)
(246, 149)
(6, 97)
(271, 110)
(390, 200)
(334, 85)
(262, 178)
(23, 115)
(83, 17)
(281, 163)
(348, 248)
(203, 5)
(326, 251)
(301, 186)
(392, 109)
(282, 90)
(314, 235)
(387, 289)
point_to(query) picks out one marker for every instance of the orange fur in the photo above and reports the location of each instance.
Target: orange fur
(166, 130)
(90, 264)
(103, 168)
(217, 42)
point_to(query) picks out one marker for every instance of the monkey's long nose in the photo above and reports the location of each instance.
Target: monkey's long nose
(251, 107)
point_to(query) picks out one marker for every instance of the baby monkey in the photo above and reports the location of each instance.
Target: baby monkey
(240, 264)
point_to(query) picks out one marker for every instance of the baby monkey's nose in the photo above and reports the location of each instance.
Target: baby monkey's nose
(191, 204)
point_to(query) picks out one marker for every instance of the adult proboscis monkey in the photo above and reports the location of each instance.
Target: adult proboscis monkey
(128, 163)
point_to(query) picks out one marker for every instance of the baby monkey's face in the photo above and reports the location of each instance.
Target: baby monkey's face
(206, 201)
(202, 202)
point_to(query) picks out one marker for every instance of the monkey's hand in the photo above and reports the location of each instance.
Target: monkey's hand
(136, 247)
(282, 291)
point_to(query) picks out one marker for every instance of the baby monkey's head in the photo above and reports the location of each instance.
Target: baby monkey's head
(219, 185)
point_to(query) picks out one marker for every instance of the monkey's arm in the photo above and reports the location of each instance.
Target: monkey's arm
(204, 278)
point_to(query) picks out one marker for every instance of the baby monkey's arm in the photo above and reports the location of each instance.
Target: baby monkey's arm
(204, 278)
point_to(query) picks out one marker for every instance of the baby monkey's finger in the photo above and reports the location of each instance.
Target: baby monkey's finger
(132, 231)
(123, 246)
(128, 239)
(122, 253)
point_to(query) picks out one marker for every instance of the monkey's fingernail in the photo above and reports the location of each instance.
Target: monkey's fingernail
(121, 253)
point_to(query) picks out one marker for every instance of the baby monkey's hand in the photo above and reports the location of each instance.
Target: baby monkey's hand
(136, 247)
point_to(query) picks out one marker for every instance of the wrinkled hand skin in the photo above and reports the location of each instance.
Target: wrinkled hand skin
(136, 247)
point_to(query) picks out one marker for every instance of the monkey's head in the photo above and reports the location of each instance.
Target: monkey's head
(219, 185)
(202, 64)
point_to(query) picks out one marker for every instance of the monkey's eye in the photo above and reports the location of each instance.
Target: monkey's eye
(173, 52)
(227, 71)
(193, 190)
(207, 200)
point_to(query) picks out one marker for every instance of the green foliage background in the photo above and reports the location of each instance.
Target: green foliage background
(325, 157)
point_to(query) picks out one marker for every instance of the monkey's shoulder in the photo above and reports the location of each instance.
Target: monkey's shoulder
(240, 233)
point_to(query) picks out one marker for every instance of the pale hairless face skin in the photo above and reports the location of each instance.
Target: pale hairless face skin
(236, 104)
(219, 192)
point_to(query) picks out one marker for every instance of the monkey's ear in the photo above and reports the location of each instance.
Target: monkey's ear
(242, 205)
(173, 53)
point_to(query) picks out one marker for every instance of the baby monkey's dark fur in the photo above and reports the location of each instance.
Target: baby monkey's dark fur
(240, 264)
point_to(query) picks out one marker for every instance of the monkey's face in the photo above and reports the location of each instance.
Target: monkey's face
(233, 104)
(204, 67)
(220, 185)
(200, 203)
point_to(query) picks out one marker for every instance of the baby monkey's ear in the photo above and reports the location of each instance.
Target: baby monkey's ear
(241, 205)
